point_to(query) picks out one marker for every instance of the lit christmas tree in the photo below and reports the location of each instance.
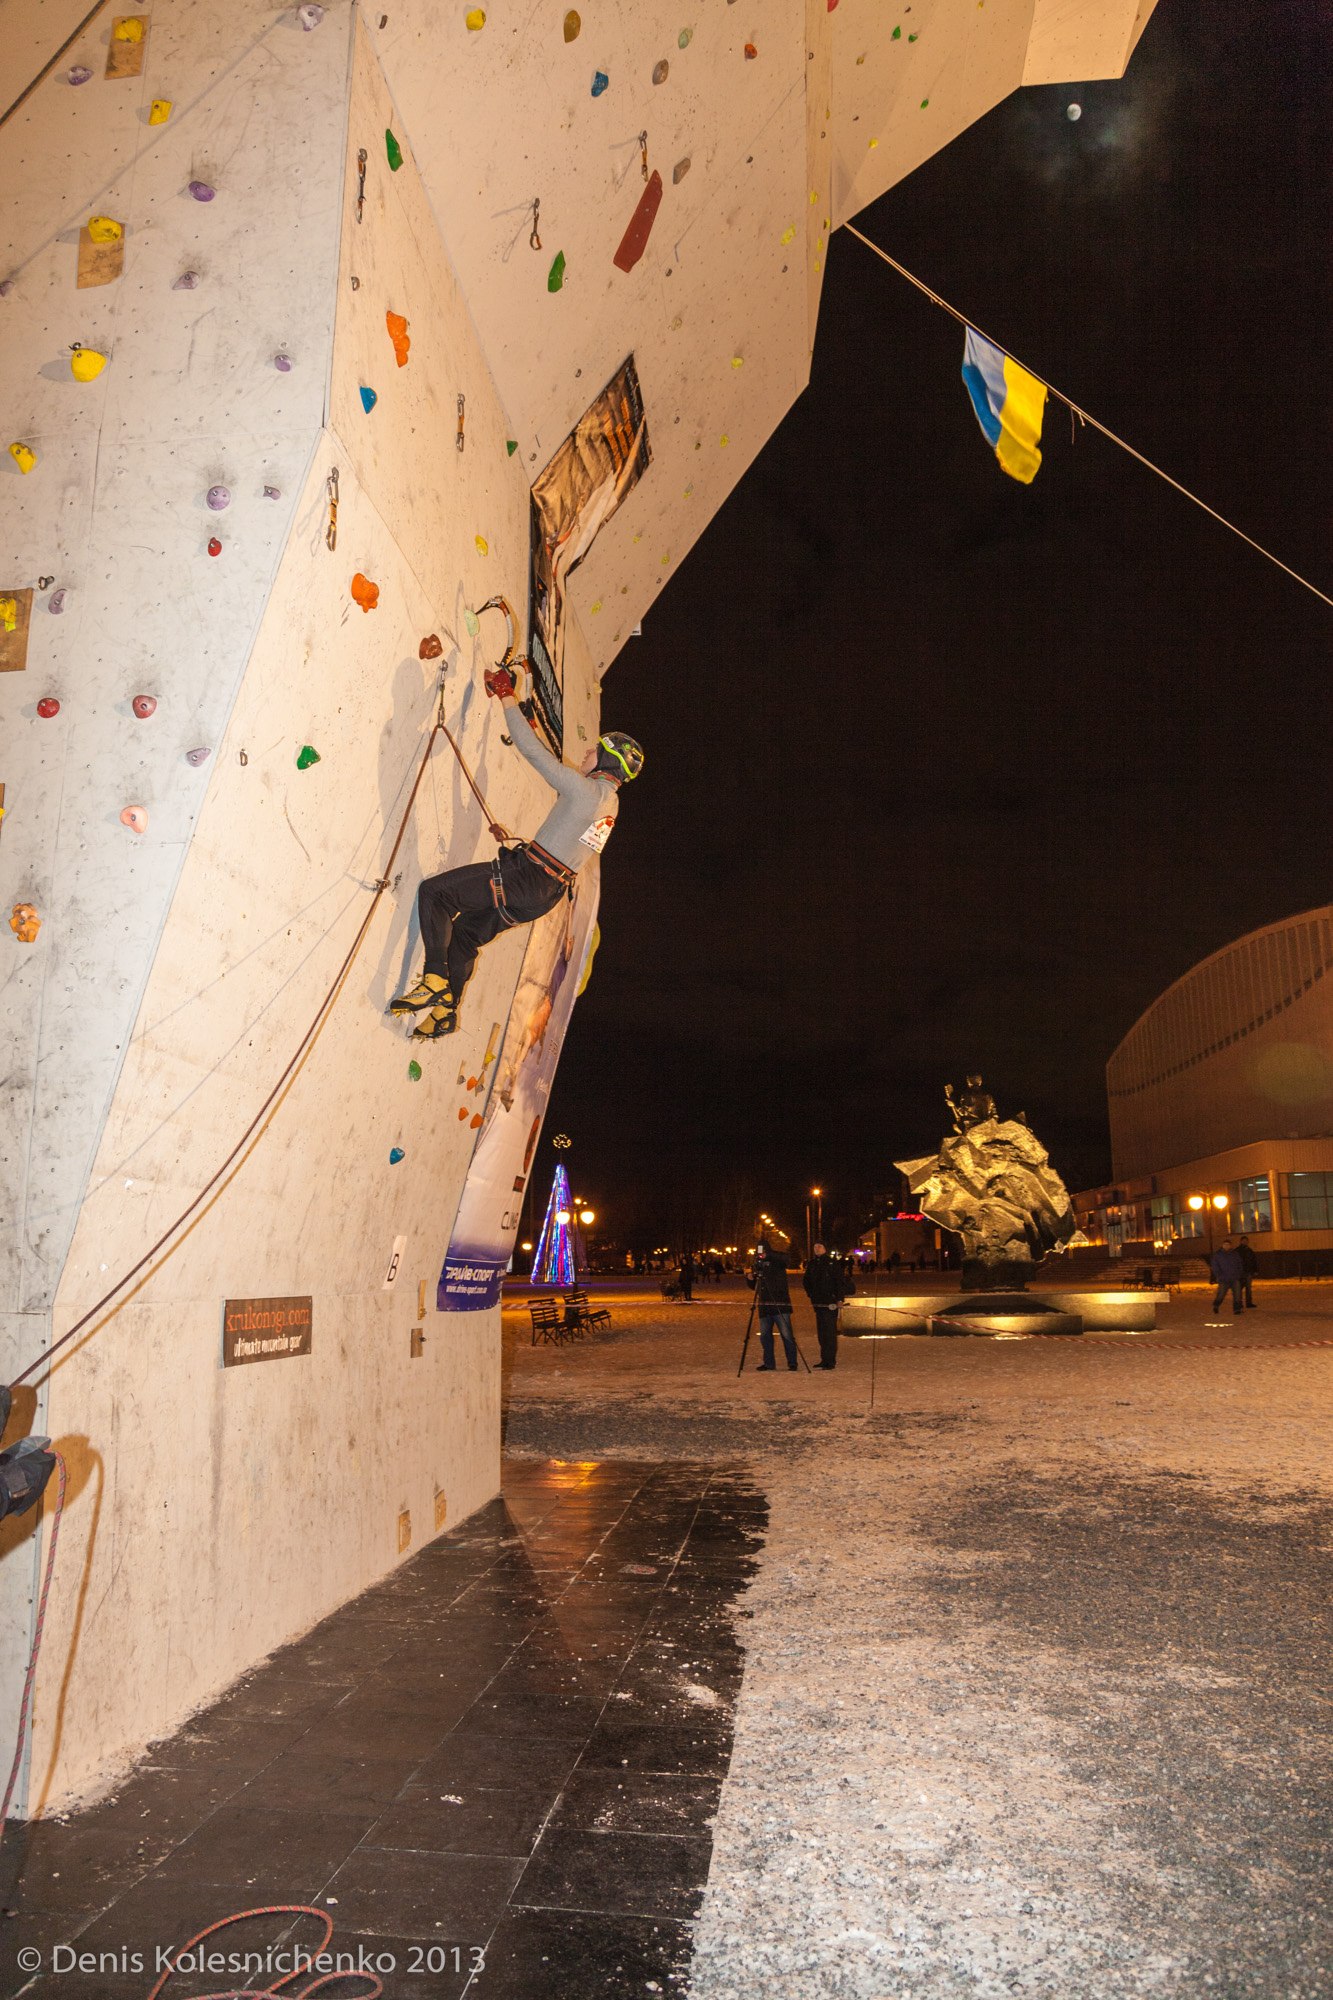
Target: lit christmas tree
(554, 1261)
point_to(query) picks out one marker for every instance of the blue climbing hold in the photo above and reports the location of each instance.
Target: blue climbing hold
(368, 399)
(599, 82)
(396, 1154)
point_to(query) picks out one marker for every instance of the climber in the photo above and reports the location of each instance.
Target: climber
(465, 908)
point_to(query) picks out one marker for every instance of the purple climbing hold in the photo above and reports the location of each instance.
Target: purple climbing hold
(199, 756)
(219, 497)
(80, 73)
(310, 16)
(188, 281)
(283, 363)
(202, 191)
(273, 493)
(57, 601)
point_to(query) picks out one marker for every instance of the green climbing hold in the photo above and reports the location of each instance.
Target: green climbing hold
(924, 102)
(394, 151)
(897, 35)
(511, 446)
(414, 1070)
(473, 623)
(684, 38)
(556, 276)
(913, 38)
(306, 756)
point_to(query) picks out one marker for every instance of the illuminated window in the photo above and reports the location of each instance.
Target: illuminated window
(1251, 1205)
(1307, 1201)
(1172, 1217)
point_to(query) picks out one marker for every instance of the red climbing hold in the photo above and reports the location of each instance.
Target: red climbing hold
(430, 648)
(48, 706)
(635, 240)
(214, 546)
(143, 705)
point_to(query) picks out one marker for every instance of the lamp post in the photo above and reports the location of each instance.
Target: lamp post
(1214, 1204)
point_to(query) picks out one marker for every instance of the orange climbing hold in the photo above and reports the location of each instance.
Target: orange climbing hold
(25, 923)
(364, 592)
(399, 335)
(430, 648)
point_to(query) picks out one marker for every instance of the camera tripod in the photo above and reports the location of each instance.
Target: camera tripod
(749, 1324)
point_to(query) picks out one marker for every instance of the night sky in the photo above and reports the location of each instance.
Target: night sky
(945, 772)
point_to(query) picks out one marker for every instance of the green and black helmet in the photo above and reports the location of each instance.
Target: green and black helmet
(619, 755)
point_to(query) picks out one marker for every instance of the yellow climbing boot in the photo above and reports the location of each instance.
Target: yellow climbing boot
(439, 1021)
(429, 991)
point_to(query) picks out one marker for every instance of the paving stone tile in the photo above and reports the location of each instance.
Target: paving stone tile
(562, 1955)
(446, 1897)
(634, 1874)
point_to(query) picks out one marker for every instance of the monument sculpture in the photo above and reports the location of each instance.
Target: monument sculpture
(993, 1184)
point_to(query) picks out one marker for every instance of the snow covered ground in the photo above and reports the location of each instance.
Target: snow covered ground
(1036, 1699)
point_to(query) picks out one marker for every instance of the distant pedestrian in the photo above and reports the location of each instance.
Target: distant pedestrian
(1249, 1265)
(1228, 1275)
(826, 1287)
(687, 1277)
(774, 1302)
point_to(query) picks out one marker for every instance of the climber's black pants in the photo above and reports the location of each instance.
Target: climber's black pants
(465, 908)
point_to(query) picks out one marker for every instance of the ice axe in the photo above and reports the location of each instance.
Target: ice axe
(501, 679)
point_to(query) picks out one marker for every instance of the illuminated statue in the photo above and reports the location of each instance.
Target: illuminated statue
(993, 1184)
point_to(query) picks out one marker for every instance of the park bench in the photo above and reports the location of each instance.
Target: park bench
(579, 1315)
(547, 1320)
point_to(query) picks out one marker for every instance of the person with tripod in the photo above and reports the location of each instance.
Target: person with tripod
(774, 1303)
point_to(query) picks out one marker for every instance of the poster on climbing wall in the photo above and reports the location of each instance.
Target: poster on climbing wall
(600, 461)
(519, 1086)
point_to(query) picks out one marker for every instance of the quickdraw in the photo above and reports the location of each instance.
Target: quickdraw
(331, 531)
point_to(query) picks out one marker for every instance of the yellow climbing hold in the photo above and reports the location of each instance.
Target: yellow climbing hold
(86, 364)
(789, 234)
(130, 29)
(483, 546)
(873, 144)
(814, 196)
(159, 111)
(9, 614)
(724, 439)
(103, 230)
(597, 607)
(475, 19)
(738, 361)
(23, 456)
(665, 561)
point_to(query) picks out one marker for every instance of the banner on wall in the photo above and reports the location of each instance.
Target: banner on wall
(601, 460)
(487, 1223)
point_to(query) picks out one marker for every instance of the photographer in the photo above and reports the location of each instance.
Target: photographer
(774, 1302)
(827, 1283)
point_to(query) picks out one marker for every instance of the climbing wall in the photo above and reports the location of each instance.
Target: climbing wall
(300, 303)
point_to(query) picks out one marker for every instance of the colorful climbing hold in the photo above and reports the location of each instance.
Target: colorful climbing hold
(600, 82)
(214, 546)
(202, 191)
(283, 363)
(47, 707)
(393, 151)
(369, 398)
(788, 233)
(159, 111)
(430, 648)
(396, 1154)
(679, 171)
(724, 440)
(399, 335)
(555, 277)
(873, 144)
(104, 229)
(635, 240)
(596, 607)
(128, 29)
(414, 1070)
(572, 26)
(306, 756)
(135, 818)
(473, 623)
(199, 756)
(23, 456)
(474, 1121)
(188, 281)
(219, 497)
(310, 15)
(738, 361)
(684, 38)
(897, 35)
(364, 592)
(462, 1112)
(79, 73)
(1073, 112)
(511, 446)
(144, 705)
(85, 363)
(25, 923)
(273, 493)
(661, 71)
(914, 38)
(750, 52)
(56, 602)
(924, 102)
(483, 546)
(475, 20)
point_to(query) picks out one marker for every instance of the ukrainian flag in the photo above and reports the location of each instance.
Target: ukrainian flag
(1009, 404)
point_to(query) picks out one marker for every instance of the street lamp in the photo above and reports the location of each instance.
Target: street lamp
(812, 1236)
(1214, 1203)
(586, 1216)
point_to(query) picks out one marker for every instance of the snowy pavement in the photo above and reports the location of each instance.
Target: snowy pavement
(1036, 1698)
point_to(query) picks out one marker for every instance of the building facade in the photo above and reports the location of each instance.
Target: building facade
(1221, 1106)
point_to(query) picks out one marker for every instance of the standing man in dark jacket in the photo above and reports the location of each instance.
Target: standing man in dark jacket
(1228, 1275)
(1249, 1266)
(774, 1303)
(826, 1288)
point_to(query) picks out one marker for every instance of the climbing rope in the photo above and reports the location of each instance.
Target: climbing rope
(295, 1062)
(31, 1674)
(1086, 417)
